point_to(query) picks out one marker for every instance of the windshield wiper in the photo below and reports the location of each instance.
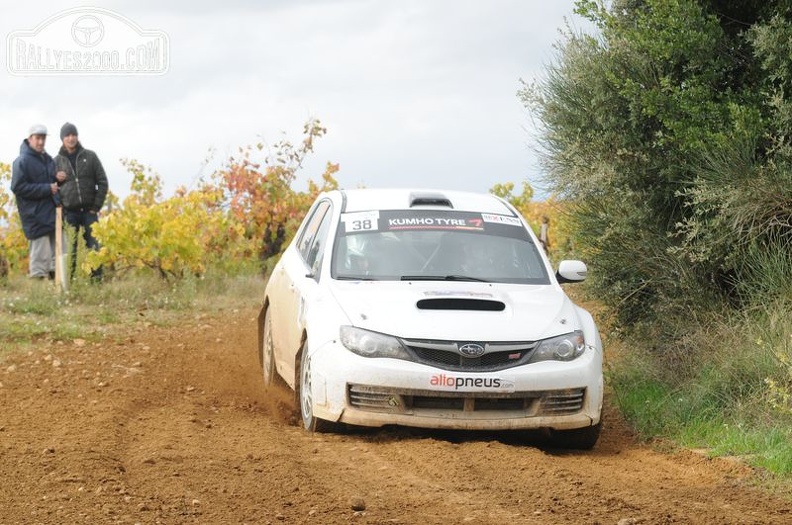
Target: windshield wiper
(442, 278)
(353, 278)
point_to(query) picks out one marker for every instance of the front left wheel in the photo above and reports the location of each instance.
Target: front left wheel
(305, 397)
(579, 438)
(267, 350)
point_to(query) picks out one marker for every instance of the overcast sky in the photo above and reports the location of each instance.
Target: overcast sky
(412, 92)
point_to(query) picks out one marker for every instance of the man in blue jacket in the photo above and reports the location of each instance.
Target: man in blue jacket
(35, 189)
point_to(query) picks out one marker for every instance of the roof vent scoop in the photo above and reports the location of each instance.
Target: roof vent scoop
(429, 199)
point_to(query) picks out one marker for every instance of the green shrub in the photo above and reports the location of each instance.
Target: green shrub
(725, 386)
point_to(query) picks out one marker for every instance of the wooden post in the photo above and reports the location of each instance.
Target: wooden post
(60, 280)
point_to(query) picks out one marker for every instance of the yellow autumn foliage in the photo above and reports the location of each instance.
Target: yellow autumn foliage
(13, 245)
(183, 234)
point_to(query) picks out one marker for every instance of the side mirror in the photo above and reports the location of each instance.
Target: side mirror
(571, 272)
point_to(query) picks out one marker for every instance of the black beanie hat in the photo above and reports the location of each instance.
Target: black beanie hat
(68, 129)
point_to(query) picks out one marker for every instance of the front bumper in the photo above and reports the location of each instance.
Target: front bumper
(374, 391)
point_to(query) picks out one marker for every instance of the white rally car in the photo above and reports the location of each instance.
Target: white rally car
(434, 309)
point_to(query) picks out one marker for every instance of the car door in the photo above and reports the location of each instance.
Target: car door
(298, 281)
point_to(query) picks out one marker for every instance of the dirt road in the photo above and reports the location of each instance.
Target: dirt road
(173, 426)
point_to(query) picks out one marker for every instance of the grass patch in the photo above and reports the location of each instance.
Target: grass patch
(712, 389)
(33, 311)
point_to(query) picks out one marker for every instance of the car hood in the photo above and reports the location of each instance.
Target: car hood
(457, 310)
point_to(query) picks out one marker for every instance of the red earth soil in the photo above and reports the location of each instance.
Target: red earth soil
(172, 425)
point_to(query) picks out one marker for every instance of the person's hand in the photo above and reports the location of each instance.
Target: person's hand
(60, 176)
(54, 188)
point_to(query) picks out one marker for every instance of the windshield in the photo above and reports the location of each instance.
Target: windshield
(436, 245)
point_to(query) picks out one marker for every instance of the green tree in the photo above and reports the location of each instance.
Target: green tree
(666, 132)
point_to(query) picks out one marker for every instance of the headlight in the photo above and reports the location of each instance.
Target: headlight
(372, 344)
(562, 348)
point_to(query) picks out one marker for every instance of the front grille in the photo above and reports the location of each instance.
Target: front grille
(368, 398)
(445, 355)
(563, 402)
(414, 402)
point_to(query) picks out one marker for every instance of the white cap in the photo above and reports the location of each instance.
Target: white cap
(37, 129)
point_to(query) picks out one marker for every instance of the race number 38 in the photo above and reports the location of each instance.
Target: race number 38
(360, 221)
(362, 225)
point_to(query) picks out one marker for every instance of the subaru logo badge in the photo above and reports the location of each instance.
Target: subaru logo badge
(471, 350)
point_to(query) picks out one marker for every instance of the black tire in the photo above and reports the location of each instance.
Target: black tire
(311, 423)
(266, 350)
(579, 438)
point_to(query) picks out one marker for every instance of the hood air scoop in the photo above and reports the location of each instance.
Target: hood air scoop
(463, 303)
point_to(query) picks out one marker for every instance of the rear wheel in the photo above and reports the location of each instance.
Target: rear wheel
(305, 397)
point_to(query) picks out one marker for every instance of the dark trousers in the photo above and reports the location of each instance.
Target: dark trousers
(82, 219)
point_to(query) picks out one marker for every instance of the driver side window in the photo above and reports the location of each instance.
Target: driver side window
(308, 234)
(317, 250)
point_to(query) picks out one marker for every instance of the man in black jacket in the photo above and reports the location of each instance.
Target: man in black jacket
(83, 188)
(35, 189)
